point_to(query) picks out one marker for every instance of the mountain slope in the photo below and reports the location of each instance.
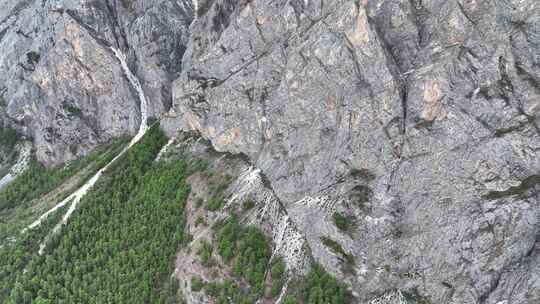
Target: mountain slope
(394, 143)
(419, 119)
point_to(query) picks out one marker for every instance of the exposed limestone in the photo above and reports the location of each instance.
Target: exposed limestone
(418, 119)
(62, 84)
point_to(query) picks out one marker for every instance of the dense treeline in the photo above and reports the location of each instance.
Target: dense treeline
(8, 139)
(248, 251)
(278, 275)
(15, 254)
(21, 201)
(247, 248)
(38, 180)
(318, 287)
(119, 245)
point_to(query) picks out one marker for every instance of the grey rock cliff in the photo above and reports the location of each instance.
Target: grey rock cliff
(420, 119)
(60, 82)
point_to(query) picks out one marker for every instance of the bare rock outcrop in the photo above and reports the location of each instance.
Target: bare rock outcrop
(62, 86)
(420, 119)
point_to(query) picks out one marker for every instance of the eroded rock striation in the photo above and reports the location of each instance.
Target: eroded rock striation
(419, 121)
(62, 85)
(418, 118)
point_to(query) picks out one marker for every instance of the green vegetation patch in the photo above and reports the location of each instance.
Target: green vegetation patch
(343, 222)
(229, 291)
(205, 253)
(227, 234)
(16, 253)
(252, 259)
(318, 287)
(22, 201)
(347, 259)
(120, 245)
(278, 276)
(34, 182)
(360, 196)
(8, 139)
(197, 284)
(247, 249)
(248, 205)
(38, 180)
(218, 185)
(200, 221)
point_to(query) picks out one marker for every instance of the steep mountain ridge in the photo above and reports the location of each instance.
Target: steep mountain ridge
(61, 83)
(414, 117)
(399, 138)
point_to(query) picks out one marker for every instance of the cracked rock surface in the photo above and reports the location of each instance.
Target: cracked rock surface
(62, 85)
(419, 120)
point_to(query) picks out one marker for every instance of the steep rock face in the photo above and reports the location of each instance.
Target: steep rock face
(61, 83)
(244, 183)
(418, 118)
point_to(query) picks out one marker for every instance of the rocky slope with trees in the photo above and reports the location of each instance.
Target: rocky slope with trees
(387, 150)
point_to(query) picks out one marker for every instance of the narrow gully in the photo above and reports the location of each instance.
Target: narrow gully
(76, 196)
